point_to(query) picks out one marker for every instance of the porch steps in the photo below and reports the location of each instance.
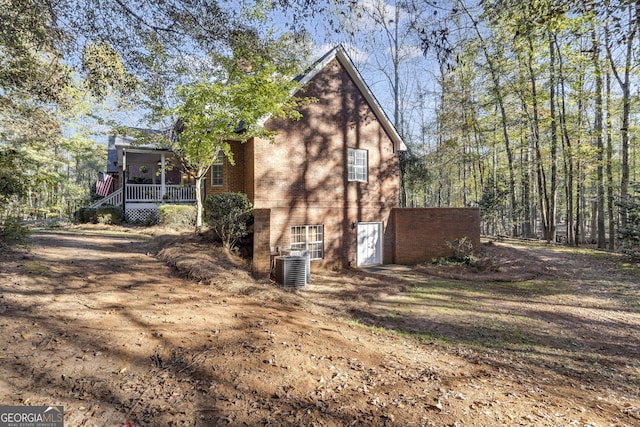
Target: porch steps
(142, 200)
(114, 199)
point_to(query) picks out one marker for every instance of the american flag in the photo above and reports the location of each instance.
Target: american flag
(103, 185)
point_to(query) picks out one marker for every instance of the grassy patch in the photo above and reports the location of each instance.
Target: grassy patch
(36, 267)
(107, 231)
(467, 289)
(631, 267)
(475, 315)
(528, 287)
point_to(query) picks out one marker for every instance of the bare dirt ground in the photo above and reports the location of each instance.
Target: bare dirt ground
(95, 321)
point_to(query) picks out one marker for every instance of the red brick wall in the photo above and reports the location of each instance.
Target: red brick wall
(261, 240)
(302, 177)
(422, 234)
(234, 175)
(249, 170)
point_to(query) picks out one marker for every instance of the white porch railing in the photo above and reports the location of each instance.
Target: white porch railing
(114, 199)
(153, 193)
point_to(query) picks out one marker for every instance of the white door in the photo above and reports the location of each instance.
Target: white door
(369, 243)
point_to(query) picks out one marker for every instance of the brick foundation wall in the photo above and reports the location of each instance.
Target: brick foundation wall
(340, 235)
(421, 234)
(261, 241)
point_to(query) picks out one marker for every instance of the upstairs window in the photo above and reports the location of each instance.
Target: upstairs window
(357, 160)
(217, 171)
(309, 237)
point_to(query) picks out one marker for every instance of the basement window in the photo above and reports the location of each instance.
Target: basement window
(309, 237)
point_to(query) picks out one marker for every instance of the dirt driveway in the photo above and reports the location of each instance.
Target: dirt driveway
(95, 322)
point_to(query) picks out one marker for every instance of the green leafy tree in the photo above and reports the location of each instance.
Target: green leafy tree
(232, 105)
(13, 186)
(228, 216)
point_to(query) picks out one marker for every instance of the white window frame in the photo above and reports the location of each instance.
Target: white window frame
(217, 178)
(308, 237)
(358, 165)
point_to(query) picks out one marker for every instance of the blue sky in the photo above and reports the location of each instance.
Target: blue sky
(367, 46)
(367, 34)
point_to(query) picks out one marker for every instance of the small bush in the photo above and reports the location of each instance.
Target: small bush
(462, 254)
(178, 215)
(86, 215)
(12, 230)
(229, 216)
(462, 251)
(109, 215)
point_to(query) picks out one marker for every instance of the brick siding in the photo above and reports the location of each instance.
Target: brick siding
(421, 234)
(234, 176)
(302, 177)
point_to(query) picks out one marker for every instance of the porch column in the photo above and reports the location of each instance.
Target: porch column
(124, 179)
(163, 187)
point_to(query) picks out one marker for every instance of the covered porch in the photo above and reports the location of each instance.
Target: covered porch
(144, 177)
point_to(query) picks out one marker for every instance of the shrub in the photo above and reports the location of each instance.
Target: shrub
(109, 215)
(461, 247)
(229, 216)
(462, 251)
(178, 215)
(12, 230)
(86, 215)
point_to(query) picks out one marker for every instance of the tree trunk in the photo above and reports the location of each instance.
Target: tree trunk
(497, 89)
(567, 150)
(625, 86)
(554, 139)
(527, 226)
(199, 198)
(199, 207)
(579, 205)
(599, 141)
(609, 172)
(535, 135)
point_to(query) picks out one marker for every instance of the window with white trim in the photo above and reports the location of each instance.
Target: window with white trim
(357, 164)
(309, 237)
(217, 171)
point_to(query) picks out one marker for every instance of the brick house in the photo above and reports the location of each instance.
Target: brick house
(329, 182)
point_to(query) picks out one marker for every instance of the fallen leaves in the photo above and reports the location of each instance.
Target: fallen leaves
(152, 349)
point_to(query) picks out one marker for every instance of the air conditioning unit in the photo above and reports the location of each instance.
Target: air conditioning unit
(291, 271)
(303, 253)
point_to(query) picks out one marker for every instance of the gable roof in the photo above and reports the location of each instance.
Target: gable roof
(341, 56)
